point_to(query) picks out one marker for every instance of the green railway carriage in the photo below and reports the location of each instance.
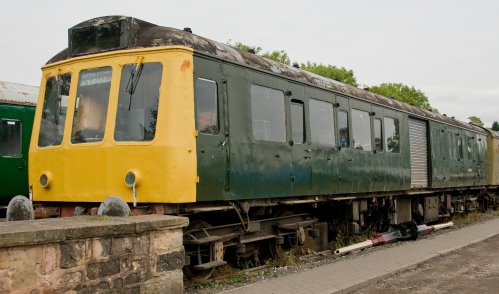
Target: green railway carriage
(17, 109)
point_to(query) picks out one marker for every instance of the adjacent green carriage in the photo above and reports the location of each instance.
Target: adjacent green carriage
(17, 109)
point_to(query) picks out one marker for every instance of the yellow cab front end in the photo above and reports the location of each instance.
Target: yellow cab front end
(116, 124)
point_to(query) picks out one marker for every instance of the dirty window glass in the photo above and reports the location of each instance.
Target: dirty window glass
(297, 122)
(321, 123)
(343, 129)
(55, 105)
(138, 102)
(392, 135)
(91, 105)
(10, 138)
(206, 106)
(267, 114)
(361, 130)
(378, 135)
(470, 147)
(460, 147)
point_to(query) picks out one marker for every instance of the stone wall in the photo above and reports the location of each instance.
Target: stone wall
(139, 254)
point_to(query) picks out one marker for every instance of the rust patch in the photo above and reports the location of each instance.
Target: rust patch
(185, 65)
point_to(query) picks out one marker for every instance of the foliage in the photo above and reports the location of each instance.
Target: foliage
(403, 93)
(476, 120)
(278, 55)
(495, 126)
(244, 47)
(330, 71)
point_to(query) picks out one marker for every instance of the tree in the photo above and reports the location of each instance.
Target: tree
(495, 126)
(278, 55)
(330, 71)
(476, 120)
(403, 93)
(244, 47)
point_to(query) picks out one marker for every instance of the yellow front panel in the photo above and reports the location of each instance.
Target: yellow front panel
(90, 172)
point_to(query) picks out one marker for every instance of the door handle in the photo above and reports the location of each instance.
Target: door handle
(308, 150)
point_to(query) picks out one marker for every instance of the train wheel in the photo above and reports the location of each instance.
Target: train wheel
(20, 208)
(199, 253)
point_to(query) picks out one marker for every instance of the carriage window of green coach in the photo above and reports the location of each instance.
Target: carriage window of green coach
(91, 105)
(392, 135)
(297, 122)
(267, 114)
(321, 123)
(378, 135)
(10, 138)
(138, 102)
(55, 104)
(361, 130)
(343, 129)
(206, 106)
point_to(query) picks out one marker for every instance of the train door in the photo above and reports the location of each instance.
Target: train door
(470, 159)
(323, 151)
(301, 178)
(212, 137)
(13, 152)
(418, 148)
(362, 147)
(346, 167)
(379, 155)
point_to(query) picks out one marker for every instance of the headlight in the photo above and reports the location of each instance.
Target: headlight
(45, 179)
(132, 178)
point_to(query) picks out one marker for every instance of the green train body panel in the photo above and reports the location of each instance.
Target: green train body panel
(14, 169)
(455, 166)
(232, 165)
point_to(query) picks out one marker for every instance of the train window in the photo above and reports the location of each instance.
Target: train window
(460, 147)
(267, 114)
(321, 123)
(55, 105)
(92, 99)
(10, 138)
(361, 130)
(138, 102)
(378, 135)
(206, 106)
(297, 122)
(343, 129)
(470, 147)
(392, 135)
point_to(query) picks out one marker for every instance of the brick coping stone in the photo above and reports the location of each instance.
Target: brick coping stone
(34, 232)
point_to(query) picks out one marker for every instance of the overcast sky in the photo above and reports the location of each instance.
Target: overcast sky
(449, 49)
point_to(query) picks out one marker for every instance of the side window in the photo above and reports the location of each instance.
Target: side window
(206, 98)
(378, 135)
(297, 122)
(470, 147)
(92, 99)
(10, 138)
(460, 147)
(392, 135)
(267, 114)
(138, 101)
(55, 105)
(321, 123)
(343, 129)
(361, 130)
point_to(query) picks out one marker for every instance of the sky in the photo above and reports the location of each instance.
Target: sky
(449, 49)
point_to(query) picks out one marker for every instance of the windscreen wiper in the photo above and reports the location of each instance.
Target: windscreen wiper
(133, 81)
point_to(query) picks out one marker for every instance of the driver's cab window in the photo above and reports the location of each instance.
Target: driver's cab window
(92, 99)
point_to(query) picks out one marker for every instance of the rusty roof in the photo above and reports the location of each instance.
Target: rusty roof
(14, 93)
(150, 35)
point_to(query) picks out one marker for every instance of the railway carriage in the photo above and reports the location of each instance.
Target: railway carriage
(254, 151)
(17, 109)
